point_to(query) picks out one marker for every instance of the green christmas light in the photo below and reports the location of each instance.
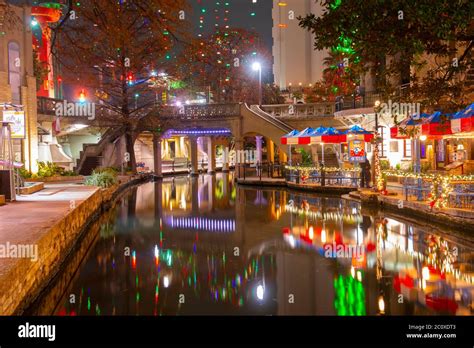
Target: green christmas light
(335, 4)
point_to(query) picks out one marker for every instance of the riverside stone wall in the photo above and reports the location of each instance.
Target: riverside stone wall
(23, 284)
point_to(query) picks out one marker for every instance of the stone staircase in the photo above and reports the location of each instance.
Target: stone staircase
(92, 154)
(330, 157)
(90, 163)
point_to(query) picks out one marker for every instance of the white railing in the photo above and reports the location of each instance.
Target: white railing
(300, 111)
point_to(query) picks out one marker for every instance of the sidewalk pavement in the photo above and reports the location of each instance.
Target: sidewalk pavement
(26, 220)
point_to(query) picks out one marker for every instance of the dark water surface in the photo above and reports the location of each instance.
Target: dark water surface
(205, 246)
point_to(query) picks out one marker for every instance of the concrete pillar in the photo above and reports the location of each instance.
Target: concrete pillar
(182, 147)
(200, 149)
(282, 156)
(194, 156)
(157, 156)
(259, 139)
(211, 156)
(270, 151)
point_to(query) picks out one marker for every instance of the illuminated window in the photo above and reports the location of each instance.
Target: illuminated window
(14, 71)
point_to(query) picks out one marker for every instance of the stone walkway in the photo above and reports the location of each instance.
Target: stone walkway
(26, 220)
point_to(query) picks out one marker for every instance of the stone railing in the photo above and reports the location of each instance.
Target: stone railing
(199, 112)
(300, 111)
(47, 106)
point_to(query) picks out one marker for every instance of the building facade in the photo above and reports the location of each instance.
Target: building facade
(17, 80)
(295, 61)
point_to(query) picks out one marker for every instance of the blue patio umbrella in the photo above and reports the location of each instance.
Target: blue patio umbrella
(317, 131)
(291, 134)
(331, 131)
(356, 129)
(306, 132)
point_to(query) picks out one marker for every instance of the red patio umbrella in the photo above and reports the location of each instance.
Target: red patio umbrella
(438, 125)
(463, 121)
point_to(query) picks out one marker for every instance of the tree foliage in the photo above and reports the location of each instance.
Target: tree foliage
(427, 43)
(114, 49)
(221, 62)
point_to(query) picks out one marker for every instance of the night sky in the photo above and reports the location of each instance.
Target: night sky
(239, 16)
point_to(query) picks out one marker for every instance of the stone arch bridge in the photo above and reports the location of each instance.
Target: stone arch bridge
(220, 124)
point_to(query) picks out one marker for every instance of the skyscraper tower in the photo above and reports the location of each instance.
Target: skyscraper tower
(221, 15)
(295, 62)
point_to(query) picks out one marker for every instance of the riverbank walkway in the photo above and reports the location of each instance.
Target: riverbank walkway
(29, 218)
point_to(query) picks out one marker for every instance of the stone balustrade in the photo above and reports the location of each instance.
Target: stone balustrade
(197, 112)
(300, 111)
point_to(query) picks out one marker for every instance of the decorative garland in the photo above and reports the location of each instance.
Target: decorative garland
(440, 189)
(441, 185)
(411, 175)
(403, 174)
(326, 169)
(306, 170)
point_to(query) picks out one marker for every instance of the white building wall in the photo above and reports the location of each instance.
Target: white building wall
(295, 62)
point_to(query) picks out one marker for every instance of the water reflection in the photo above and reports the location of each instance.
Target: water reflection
(205, 246)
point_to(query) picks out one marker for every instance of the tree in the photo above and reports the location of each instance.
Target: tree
(319, 92)
(271, 94)
(339, 74)
(427, 43)
(221, 63)
(115, 49)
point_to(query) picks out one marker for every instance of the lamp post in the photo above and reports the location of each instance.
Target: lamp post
(256, 66)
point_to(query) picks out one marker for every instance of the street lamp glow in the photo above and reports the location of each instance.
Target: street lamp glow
(260, 292)
(377, 103)
(422, 137)
(256, 66)
(381, 304)
(82, 97)
(34, 22)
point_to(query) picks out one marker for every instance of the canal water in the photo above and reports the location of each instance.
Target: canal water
(206, 246)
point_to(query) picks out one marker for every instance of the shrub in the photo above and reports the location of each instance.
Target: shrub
(68, 173)
(102, 178)
(47, 169)
(306, 157)
(112, 170)
(25, 174)
(384, 164)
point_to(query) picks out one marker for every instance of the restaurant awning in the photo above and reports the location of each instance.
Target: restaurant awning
(463, 120)
(439, 124)
(402, 130)
(357, 132)
(322, 135)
